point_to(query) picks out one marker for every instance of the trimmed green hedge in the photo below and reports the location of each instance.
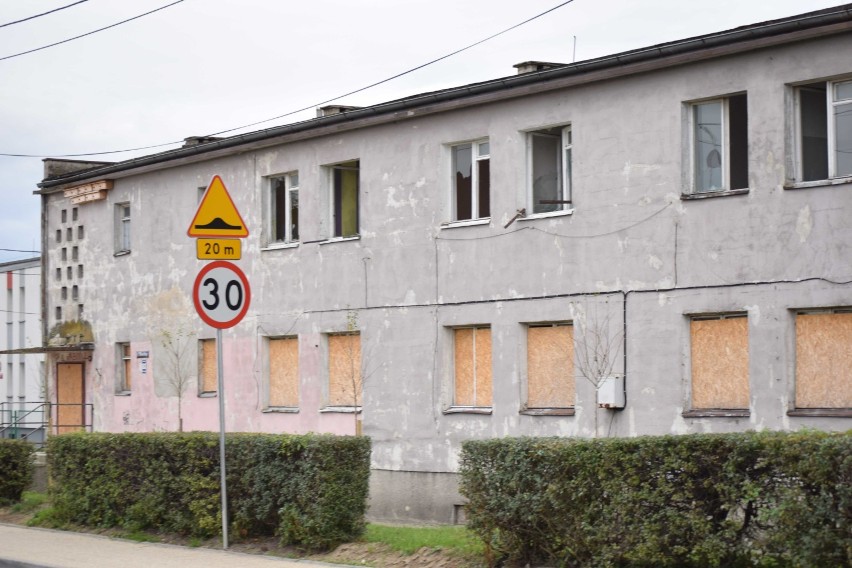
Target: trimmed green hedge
(311, 490)
(16, 469)
(752, 499)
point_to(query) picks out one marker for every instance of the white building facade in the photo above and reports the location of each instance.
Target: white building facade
(23, 385)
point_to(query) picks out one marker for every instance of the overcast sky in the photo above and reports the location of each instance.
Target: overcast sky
(203, 66)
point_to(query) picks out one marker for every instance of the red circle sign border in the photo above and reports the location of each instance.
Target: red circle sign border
(197, 301)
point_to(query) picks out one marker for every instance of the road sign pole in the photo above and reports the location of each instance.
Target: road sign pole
(221, 394)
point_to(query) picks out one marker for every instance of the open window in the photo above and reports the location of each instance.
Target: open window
(472, 384)
(719, 362)
(471, 180)
(824, 361)
(345, 199)
(549, 160)
(550, 367)
(824, 130)
(283, 372)
(719, 134)
(284, 209)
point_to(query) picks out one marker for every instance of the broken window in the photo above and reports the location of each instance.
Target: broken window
(69, 234)
(344, 369)
(345, 198)
(283, 372)
(472, 367)
(80, 232)
(720, 144)
(824, 359)
(550, 169)
(58, 235)
(284, 208)
(64, 293)
(59, 274)
(719, 358)
(825, 130)
(122, 227)
(471, 181)
(207, 367)
(124, 367)
(75, 292)
(550, 366)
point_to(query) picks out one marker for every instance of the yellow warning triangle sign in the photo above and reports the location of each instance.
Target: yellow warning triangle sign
(217, 216)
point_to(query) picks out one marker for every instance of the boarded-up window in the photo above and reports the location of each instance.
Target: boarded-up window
(344, 369)
(125, 382)
(720, 362)
(207, 373)
(550, 366)
(824, 360)
(284, 372)
(472, 365)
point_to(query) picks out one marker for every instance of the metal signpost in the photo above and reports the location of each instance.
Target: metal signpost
(221, 292)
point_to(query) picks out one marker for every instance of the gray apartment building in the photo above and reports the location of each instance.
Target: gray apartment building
(653, 242)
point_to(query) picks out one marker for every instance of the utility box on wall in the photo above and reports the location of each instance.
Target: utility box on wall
(611, 393)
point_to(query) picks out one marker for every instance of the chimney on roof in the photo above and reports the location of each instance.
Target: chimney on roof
(197, 140)
(533, 66)
(329, 110)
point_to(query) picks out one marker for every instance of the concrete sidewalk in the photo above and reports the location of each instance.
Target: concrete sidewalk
(23, 547)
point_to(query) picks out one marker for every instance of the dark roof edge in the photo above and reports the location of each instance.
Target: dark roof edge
(801, 22)
(5, 266)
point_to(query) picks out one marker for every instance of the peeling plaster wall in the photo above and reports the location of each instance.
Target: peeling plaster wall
(409, 280)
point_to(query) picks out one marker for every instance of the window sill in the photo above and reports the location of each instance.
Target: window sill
(340, 240)
(123, 393)
(207, 395)
(549, 214)
(277, 246)
(121, 253)
(281, 410)
(341, 410)
(818, 183)
(468, 410)
(548, 411)
(717, 413)
(824, 412)
(466, 223)
(712, 194)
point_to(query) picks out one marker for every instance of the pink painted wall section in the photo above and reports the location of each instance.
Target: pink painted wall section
(150, 406)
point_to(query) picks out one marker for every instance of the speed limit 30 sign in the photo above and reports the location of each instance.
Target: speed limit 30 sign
(221, 294)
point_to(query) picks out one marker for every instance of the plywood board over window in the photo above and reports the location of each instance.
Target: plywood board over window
(472, 359)
(284, 372)
(824, 360)
(719, 353)
(208, 371)
(344, 369)
(550, 366)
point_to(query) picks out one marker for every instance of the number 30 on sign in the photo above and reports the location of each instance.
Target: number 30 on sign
(221, 294)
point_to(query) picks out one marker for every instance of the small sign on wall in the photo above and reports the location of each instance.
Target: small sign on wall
(143, 361)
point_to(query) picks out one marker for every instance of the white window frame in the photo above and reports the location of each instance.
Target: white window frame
(291, 186)
(122, 227)
(691, 174)
(476, 155)
(831, 129)
(564, 166)
(726, 146)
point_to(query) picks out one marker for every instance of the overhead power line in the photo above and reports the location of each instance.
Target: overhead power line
(17, 250)
(315, 105)
(90, 33)
(42, 14)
